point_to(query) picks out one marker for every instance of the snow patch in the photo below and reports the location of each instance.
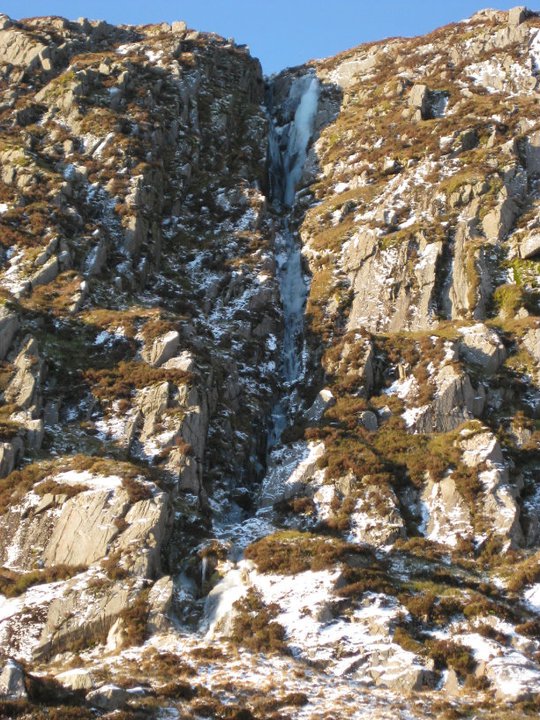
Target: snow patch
(95, 482)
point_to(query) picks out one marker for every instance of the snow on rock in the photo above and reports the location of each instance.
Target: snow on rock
(402, 388)
(502, 76)
(362, 640)
(21, 618)
(376, 518)
(291, 468)
(532, 596)
(446, 515)
(93, 482)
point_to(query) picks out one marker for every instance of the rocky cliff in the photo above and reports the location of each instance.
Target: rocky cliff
(270, 366)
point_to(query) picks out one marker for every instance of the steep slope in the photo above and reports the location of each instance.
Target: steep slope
(270, 365)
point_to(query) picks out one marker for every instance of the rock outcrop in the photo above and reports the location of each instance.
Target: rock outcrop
(269, 374)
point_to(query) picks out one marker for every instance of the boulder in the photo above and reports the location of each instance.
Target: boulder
(178, 26)
(369, 421)
(455, 402)
(77, 679)
(451, 686)
(117, 636)
(499, 506)
(498, 222)
(153, 401)
(480, 447)
(533, 154)
(184, 361)
(418, 98)
(515, 678)
(23, 390)
(46, 274)
(324, 400)
(530, 247)
(35, 431)
(160, 600)
(10, 452)
(163, 349)
(96, 259)
(9, 324)
(531, 341)
(108, 697)
(518, 15)
(482, 346)
(426, 103)
(12, 685)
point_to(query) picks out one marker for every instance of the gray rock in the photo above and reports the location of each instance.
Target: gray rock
(445, 512)
(451, 686)
(35, 431)
(418, 97)
(160, 601)
(81, 615)
(369, 421)
(46, 274)
(499, 221)
(9, 324)
(470, 286)
(185, 361)
(454, 403)
(324, 400)
(533, 154)
(376, 518)
(85, 528)
(530, 247)
(136, 232)
(531, 341)
(9, 455)
(482, 346)
(179, 26)
(23, 390)
(163, 349)
(77, 679)
(12, 685)
(384, 298)
(20, 49)
(290, 472)
(518, 15)
(148, 525)
(153, 401)
(108, 697)
(499, 506)
(426, 103)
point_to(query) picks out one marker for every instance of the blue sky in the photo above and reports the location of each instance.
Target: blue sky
(280, 33)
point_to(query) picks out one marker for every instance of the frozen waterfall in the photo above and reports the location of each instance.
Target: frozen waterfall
(288, 152)
(300, 134)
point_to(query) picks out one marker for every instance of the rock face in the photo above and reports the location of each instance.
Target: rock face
(269, 374)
